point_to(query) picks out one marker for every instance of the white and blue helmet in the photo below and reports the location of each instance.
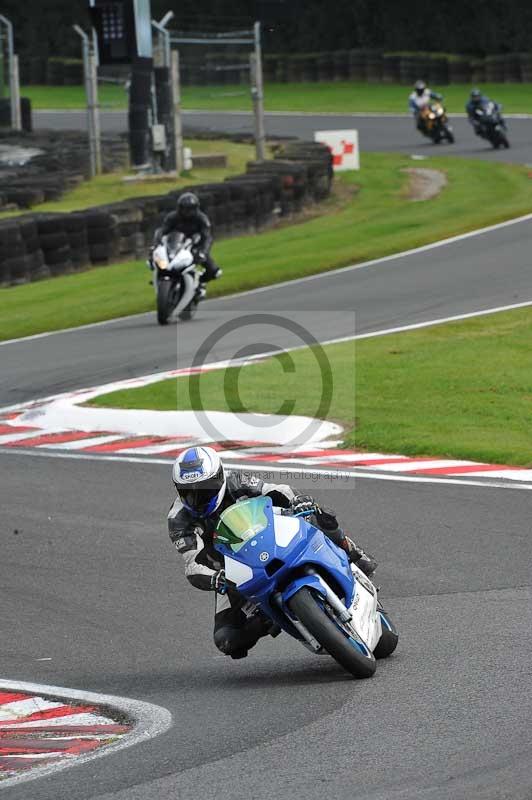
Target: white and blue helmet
(200, 480)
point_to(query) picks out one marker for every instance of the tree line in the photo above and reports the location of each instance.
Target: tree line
(475, 27)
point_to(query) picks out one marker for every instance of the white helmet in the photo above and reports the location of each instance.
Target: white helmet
(200, 480)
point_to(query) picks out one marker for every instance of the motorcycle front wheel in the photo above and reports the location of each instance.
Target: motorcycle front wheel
(164, 301)
(352, 654)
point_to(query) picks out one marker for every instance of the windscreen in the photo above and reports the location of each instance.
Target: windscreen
(174, 242)
(241, 522)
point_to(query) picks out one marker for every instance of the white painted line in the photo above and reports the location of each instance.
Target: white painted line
(413, 466)
(150, 721)
(335, 473)
(81, 444)
(295, 281)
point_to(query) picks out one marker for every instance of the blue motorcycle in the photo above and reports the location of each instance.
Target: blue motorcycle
(297, 577)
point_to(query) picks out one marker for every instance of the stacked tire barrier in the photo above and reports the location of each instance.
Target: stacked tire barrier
(26, 116)
(43, 245)
(374, 66)
(62, 162)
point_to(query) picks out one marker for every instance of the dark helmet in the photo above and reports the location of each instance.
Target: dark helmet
(188, 205)
(476, 96)
(420, 87)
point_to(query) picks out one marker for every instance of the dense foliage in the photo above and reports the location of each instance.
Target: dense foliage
(458, 26)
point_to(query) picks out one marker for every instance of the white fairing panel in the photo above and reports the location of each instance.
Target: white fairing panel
(188, 294)
(285, 529)
(366, 619)
(236, 572)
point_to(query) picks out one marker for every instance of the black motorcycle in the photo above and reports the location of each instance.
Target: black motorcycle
(491, 126)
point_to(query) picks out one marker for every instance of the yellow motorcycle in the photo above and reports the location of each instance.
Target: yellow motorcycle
(433, 122)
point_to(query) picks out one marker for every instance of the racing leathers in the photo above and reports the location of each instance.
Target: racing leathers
(417, 102)
(237, 624)
(198, 226)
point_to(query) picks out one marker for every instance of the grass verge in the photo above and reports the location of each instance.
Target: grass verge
(375, 222)
(339, 97)
(416, 392)
(112, 188)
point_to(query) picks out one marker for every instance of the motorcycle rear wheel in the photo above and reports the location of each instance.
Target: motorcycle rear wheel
(350, 654)
(389, 638)
(189, 312)
(449, 135)
(164, 298)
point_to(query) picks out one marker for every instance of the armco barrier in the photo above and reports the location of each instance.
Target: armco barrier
(39, 245)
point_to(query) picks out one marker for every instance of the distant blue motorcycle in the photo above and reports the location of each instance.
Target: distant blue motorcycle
(299, 578)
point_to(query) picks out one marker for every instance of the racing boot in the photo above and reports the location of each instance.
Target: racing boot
(366, 563)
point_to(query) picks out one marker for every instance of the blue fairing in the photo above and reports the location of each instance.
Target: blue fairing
(278, 562)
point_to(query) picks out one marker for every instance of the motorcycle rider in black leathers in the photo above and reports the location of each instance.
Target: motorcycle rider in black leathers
(204, 491)
(192, 222)
(479, 101)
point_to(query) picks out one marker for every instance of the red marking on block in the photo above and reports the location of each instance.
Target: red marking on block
(127, 443)
(11, 697)
(349, 148)
(8, 764)
(14, 429)
(23, 746)
(370, 462)
(49, 713)
(65, 730)
(465, 469)
(51, 438)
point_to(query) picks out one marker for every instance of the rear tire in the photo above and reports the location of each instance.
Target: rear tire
(305, 607)
(189, 312)
(164, 294)
(449, 135)
(389, 638)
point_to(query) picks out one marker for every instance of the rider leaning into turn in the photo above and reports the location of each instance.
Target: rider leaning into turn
(204, 490)
(478, 101)
(420, 99)
(191, 221)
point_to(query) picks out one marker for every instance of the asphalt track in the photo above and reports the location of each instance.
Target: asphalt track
(377, 133)
(89, 579)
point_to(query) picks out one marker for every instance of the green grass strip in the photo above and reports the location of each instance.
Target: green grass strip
(460, 390)
(375, 222)
(341, 97)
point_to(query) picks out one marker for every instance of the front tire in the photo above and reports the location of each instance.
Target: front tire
(164, 296)
(348, 653)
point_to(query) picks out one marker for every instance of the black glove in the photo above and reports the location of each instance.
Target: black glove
(218, 582)
(304, 504)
